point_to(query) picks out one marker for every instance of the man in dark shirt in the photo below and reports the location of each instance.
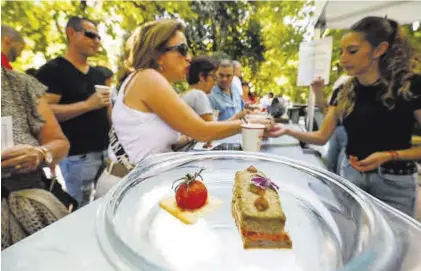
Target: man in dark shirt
(82, 112)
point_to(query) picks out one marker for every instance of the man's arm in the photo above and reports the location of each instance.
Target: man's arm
(64, 112)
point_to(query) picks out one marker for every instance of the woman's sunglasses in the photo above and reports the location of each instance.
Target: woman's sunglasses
(181, 48)
(90, 34)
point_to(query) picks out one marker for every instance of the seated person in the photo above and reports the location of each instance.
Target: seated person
(223, 98)
(201, 79)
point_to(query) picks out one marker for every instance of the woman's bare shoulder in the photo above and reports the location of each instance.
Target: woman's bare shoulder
(148, 75)
(149, 81)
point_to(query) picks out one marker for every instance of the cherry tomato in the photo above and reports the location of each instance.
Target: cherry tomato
(191, 195)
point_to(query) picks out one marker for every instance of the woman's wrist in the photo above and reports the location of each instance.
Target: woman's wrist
(393, 155)
(41, 154)
(389, 156)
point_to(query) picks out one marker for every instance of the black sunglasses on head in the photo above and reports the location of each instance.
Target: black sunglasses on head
(181, 48)
(90, 34)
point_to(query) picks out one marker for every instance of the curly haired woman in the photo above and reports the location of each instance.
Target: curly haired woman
(379, 105)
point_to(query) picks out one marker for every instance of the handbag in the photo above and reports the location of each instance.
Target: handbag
(53, 186)
(25, 212)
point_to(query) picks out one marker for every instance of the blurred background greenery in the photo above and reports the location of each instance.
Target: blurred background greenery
(263, 36)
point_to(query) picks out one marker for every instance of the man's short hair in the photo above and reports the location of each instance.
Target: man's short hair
(200, 65)
(226, 63)
(7, 31)
(75, 23)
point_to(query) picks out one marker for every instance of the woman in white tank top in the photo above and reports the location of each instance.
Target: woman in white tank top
(149, 115)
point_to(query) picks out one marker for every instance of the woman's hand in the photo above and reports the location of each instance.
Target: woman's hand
(21, 159)
(373, 161)
(269, 123)
(276, 131)
(242, 114)
(317, 86)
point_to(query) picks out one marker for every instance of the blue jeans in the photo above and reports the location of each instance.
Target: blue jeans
(399, 191)
(336, 151)
(80, 172)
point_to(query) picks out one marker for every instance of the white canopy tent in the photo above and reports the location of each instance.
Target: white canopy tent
(343, 14)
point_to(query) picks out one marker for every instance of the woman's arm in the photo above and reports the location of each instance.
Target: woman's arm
(51, 136)
(317, 86)
(415, 152)
(319, 137)
(27, 158)
(378, 158)
(155, 91)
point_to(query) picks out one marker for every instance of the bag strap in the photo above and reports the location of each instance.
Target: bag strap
(46, 198)
(118, 150)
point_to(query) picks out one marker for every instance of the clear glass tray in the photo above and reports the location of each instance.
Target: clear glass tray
(332, 224)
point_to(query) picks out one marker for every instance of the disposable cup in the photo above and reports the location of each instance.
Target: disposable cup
(102, 88)
(252, 136)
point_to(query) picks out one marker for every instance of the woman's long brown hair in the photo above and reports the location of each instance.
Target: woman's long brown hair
(394, 65)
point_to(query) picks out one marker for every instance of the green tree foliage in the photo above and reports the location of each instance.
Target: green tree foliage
(263, 36)
(226, 27)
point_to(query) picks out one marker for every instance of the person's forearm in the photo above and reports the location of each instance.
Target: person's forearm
(65, 112)
(217, 130)
(315, 138)
(59, 149)
(321, 103)
(408, 154)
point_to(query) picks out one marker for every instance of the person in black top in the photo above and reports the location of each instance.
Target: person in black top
(83, 113)
(379, 106)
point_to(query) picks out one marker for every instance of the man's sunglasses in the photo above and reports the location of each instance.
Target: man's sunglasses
(181, 48)
(90, 35)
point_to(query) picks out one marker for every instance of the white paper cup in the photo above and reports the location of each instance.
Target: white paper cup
(252, 136)
(102, 88)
